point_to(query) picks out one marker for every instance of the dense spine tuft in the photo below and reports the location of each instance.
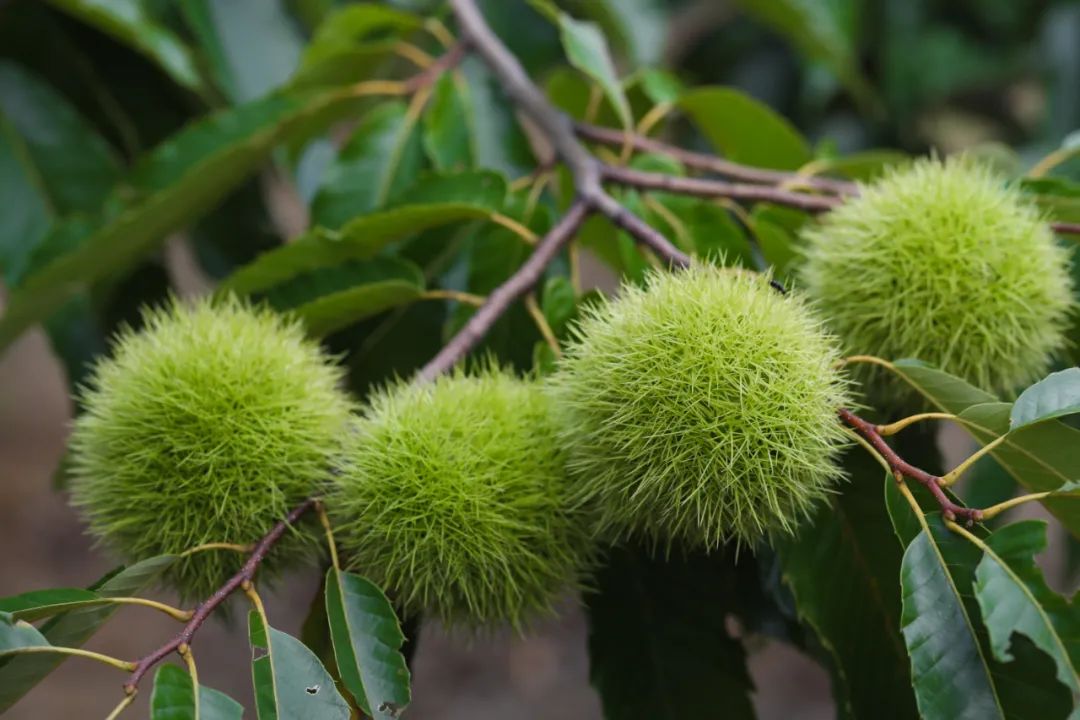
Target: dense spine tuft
(454, 499)
(208, 425)
(944, 262)
(700, 409)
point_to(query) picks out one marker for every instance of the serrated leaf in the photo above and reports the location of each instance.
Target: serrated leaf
(636, 26)
(500, 143)
(842, 568)
(72, 629)
(1024, 688)
(744, 129)
(367, 641)
(1014, 598)
(173, 698)
(178, 182)
(447, 138)
(950, 673)
(381, 159)
(1055, 396)
(128, 22)
(587, 50)
(658, 646)
(290, 682)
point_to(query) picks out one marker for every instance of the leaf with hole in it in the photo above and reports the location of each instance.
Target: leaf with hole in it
(744, 129)
(173, 698)
(71, 629)
(16, 635)
(1015, 598)
(290, 682)
(1055, 396)
(1024, 688)
(841, 568)
(129, 23)
(367, 642)
(587, 50)
(447, 136)
(381, 159)
(658, 644)
(175, 184)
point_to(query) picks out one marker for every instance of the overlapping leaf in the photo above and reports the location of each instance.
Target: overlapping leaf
(290, 682)
(367, 642)
(174, 698)
(71, 629)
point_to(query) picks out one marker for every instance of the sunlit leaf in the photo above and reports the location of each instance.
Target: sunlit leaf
(1056, 396)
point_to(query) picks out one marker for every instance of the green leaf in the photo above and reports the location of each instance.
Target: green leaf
(842, 569)
(253, 45)
(71, 629)
(346, 27)
(744, 129)
(951, 675)
(636, 26)
(367, 644)
(1040, 457)
(1015, 598)
(341, 309)
(1055, 396)
(52, 163)
(33, 606)
(499, 141)
(173, 698)
(290, 682)
(447, 138)
(658, 646)
(361, 239)
(559, 304)
(16, 635)
(381, 159)
(823, 30)
(177, 183)
(587, 50)
(1024, 688)
(129, 23)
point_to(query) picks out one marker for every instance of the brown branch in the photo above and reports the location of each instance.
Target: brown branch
(498, 302)
(556, 127)
(902, 469)
(711, 163)
(447, 61)
(203, 611)
(1066, 228)
(699, 187)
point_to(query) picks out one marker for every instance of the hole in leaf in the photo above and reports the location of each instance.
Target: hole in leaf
(313, 690)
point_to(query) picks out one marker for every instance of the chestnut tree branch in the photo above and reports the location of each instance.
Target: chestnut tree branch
(244, 576)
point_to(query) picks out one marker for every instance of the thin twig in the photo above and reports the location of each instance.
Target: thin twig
(699, 187)
(903, 469)
(203, 611)
(711, 163)
(521, 282)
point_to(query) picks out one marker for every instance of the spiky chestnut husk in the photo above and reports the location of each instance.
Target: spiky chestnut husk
(454, 499)
(944, 262)
(208, 425)
(700, 409)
